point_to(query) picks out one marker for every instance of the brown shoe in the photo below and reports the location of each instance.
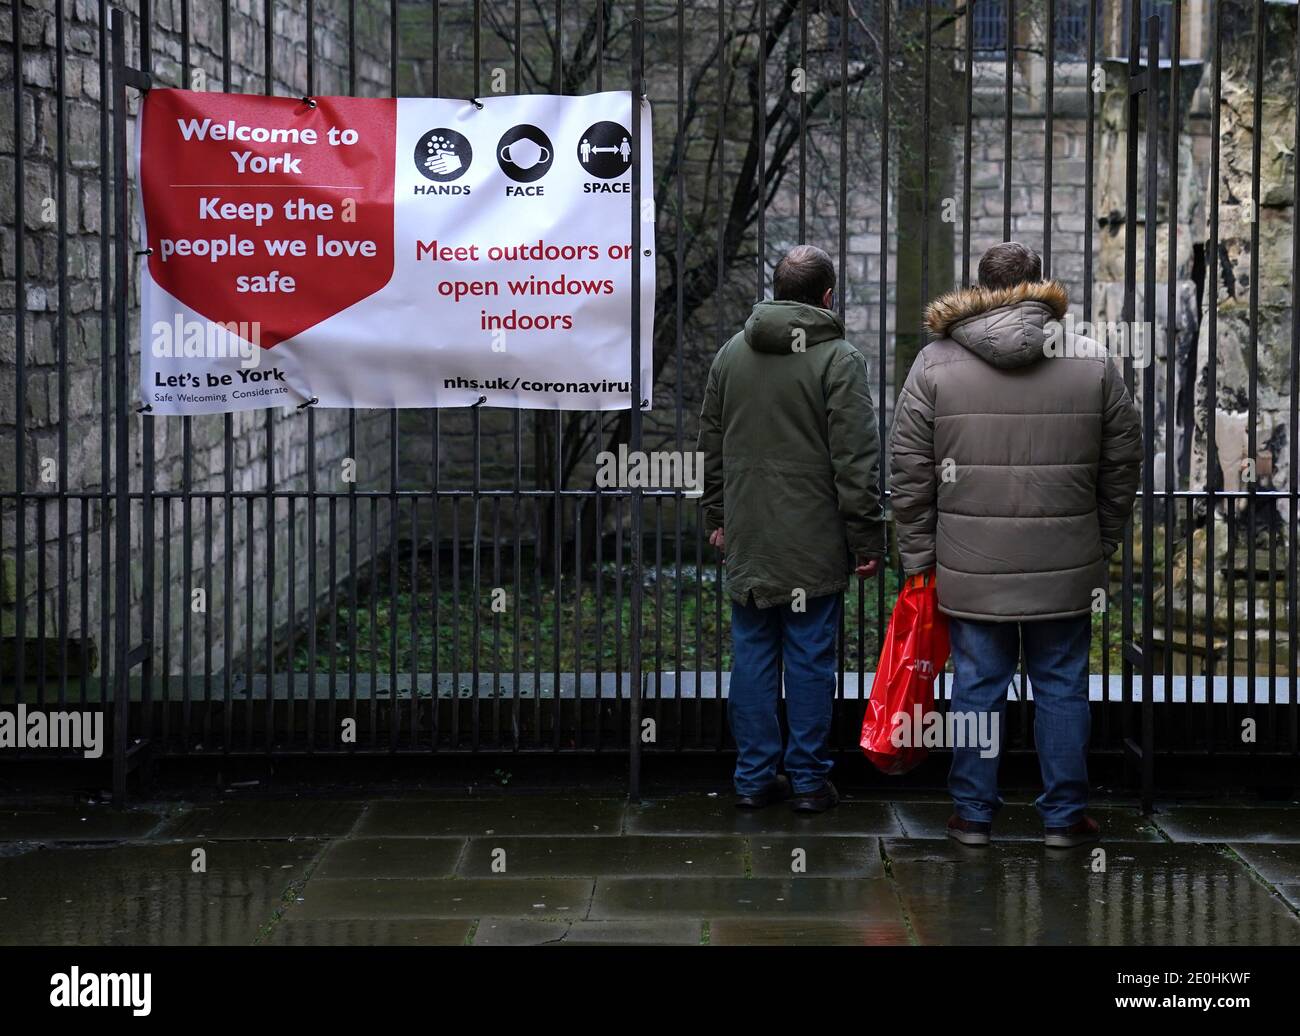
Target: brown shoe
(1081, 832)
(819, 801)
(969, 832)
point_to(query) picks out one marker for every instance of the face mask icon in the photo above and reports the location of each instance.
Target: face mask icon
(525, 153)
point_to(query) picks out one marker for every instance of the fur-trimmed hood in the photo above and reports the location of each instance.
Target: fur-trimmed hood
(1006, 327)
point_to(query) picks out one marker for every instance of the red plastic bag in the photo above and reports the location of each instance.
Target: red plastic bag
(914, 652)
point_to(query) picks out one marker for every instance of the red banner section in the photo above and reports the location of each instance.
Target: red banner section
(266, 211)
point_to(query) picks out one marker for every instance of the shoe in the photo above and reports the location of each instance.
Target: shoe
(777, 791)
(1081, 832)
(969, 832)
(819, 801)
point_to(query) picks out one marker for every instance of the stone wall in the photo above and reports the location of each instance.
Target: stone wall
(441, 449)
(78, 328)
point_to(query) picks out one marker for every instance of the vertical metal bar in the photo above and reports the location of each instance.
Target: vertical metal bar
(105, 317)
(20, 367)
(720, 148)
(1212, 371)
(1252, 406)
(1089, 228)
(926, 103)
(841, 298)
(1132, 118)
(187, 490)
(1049, 102)
(967, 130)
(1293, 469)
(250, 534)
(121, 510)
(637, 88)
(517, 478)
(147, 476)
(882, 341)
(1009, 81)
(477, 426)
(228, 465)
(372, 595)
(61, 335)
(761, 191)
(1171, 350)
(496, 624)
(803, 122)
(394, 452)
(313, 590)
(435, 561)
(353, 509)
(1149, 415)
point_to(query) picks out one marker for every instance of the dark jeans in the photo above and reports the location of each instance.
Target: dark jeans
(805, 643)
(985, 656)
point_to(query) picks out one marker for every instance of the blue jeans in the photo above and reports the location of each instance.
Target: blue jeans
(763, 639)
(985, 657)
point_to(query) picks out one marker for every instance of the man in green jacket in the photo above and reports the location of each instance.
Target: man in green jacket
(1015, 454)
(792, 498)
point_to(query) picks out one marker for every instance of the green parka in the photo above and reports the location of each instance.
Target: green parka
(791, 456)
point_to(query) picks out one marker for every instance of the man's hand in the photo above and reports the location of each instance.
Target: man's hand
(717, 539)
(867, 569)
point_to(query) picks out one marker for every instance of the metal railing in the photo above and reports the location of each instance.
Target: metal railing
(373, 603)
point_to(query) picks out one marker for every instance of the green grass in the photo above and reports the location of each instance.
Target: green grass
(531, 633)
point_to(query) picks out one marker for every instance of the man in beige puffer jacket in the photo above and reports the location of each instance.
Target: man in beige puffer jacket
(1015, 455)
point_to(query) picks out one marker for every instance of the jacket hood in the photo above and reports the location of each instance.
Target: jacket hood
(1002, 326)
(772, 325)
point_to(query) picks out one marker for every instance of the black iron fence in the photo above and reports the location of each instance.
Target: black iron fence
(215, 588)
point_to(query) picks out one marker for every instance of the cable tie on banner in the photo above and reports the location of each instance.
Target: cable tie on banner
(147, 408)
(144, 251)
(311, 402)
(477, 103)
(310, 102)
(645, 404)
(481, 401)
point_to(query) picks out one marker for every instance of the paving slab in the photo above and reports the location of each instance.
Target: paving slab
(1276, 862)
(382, 898)
(1021, 822)
(76, 822)
(662, 932)
(734, 932)
(520, 815)
(709, 898)
(1231, 823)
(361, 932)
(147, 894)
(715, 815)
(1017, 893)
(822, 856)
(1291, 893)
(562, 856)
(390, 858)
(281, 818)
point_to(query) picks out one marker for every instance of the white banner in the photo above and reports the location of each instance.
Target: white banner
(417, 252)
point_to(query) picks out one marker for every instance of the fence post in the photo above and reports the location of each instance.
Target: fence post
(1149, 412)
(121, 476)
(634, 711)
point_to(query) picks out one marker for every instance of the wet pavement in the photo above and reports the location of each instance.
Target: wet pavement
(521, 868)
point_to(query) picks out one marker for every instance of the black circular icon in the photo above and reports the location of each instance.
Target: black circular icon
(605, 150)
(443, 154)
(524, 153)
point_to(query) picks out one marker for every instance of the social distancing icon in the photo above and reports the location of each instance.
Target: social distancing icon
(605, 150)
